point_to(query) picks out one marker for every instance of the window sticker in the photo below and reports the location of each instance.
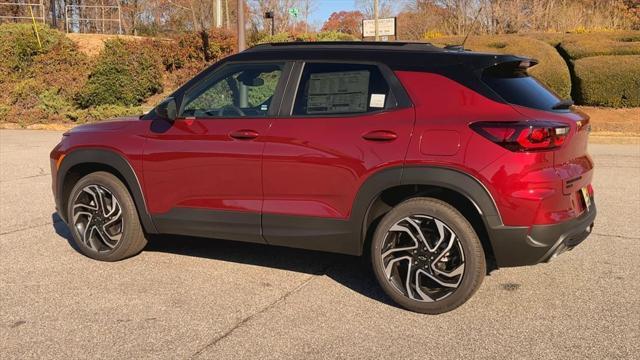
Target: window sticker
(377, 100)
(338, 92)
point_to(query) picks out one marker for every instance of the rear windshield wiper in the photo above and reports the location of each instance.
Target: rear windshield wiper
(562, 104)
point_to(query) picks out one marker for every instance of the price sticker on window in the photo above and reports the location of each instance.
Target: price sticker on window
(377, 100)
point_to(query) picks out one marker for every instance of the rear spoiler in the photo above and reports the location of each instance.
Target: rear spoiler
(510, 68)
(481, 62)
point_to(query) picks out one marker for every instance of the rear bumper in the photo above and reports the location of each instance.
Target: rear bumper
(518, 246)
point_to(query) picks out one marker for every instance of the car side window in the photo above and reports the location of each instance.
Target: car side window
(237, 90)
(338, 88)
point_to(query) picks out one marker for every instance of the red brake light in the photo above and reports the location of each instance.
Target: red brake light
(524, 136)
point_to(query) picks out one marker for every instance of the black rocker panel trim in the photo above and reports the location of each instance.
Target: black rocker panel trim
(312, 233)
(110, 159)
(227, 225)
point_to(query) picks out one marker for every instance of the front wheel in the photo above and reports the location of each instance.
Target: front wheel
(427, 257)
(103, 219)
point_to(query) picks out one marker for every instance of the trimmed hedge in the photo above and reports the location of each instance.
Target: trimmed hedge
(608, 80)
(578, 46)
(125, 74)
(551, 71)
(597, 44)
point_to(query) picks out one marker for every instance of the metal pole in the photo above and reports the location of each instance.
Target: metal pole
(119, 19)
(35, 27)
(218, 13)
(273, 25)
(375, 18)
(240, 17)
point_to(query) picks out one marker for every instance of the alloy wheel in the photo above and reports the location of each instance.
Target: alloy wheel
(423, 258)
(97, 216)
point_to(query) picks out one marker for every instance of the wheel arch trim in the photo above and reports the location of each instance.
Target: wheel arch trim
(428, 175)
(112, 159)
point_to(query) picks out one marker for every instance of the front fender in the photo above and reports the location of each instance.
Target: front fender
(109, 159)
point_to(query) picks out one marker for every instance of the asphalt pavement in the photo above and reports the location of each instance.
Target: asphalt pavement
(211, 299)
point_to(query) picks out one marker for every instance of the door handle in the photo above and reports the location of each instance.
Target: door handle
(244, 134)
(380, 135)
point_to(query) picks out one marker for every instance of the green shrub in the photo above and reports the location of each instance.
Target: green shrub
(19, 45)
(262, 38)
(277, 38)
(187, 48)
(608, 80)
(53, 102)
(38, 85)
(551, 70)
(334, 36)
(125, 73)
(63, 68)
(4, 111)
(100, 113)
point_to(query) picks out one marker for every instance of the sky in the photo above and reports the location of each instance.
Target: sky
(324, 8)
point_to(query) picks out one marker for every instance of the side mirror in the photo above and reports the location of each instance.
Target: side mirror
(167, 109)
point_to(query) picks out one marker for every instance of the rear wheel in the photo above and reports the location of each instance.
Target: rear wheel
(427, 257)
(103, 219)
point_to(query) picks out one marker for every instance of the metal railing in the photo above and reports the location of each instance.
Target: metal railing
(85, 18)
(24, 11)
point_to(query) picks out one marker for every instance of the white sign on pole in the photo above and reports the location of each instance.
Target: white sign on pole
(386, 27)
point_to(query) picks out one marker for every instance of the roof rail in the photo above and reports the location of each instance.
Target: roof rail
(387, 44)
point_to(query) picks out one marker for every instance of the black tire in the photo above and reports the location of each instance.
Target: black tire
(131, 238)
(472, 256)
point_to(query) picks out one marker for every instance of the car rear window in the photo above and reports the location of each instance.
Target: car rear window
(516, 87)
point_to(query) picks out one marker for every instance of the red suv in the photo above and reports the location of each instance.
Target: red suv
(441, 164)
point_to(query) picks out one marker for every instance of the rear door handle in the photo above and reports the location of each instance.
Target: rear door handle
(244, 134)
(380, 135)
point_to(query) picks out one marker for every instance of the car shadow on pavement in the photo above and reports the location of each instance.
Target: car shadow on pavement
(350, 271)
(62, 229)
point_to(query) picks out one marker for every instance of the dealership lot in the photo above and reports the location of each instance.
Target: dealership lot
(196, 298)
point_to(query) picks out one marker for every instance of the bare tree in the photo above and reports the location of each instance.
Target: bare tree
(385, 8)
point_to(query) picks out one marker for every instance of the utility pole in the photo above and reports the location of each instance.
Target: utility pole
(240, 17)
(375, 19)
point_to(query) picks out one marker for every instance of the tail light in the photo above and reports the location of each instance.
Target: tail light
(524, 136)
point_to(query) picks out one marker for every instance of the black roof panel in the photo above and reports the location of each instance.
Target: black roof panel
(396, 55)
